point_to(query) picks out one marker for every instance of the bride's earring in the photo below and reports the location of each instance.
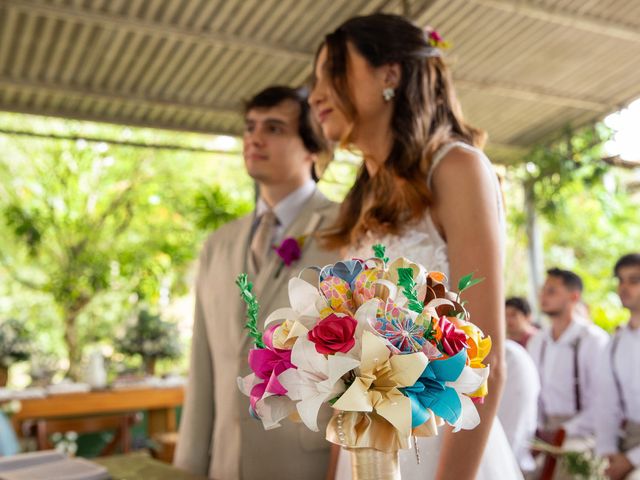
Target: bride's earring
(388, 93)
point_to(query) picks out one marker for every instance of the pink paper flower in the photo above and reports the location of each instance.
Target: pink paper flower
(453, 339)
(267, 363)
(334, 334)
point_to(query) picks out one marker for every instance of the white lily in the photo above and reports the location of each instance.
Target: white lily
(468, 382)
(271, 409)
(316, 380)
(306, 303)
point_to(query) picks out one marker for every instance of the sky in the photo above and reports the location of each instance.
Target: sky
(626, 125)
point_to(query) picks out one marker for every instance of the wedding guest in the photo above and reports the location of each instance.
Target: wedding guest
(618, 393)
(518, 410)
(217, 435)
(520, 327)
(567, 354)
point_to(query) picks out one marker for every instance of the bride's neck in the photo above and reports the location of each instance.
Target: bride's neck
(375, 148)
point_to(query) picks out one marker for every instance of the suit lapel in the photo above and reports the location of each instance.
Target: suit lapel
(306, 223)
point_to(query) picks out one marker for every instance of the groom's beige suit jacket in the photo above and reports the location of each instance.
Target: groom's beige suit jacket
(218, 437)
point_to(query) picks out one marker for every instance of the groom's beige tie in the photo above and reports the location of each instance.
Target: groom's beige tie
(262, 238)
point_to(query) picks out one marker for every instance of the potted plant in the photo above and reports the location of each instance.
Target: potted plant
(15, 346)
(150, 337)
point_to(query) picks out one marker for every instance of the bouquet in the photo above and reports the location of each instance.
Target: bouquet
(385, 344)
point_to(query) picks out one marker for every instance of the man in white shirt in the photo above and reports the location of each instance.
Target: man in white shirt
(567, 354)
(520, 327)
(618, 398)
(518, 410)
(218, 437)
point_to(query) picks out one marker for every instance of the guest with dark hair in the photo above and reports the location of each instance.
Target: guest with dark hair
(567, 354)
(618, 398)
(520, 327)
(308, 130)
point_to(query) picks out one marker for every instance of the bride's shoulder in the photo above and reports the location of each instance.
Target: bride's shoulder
(460, 166)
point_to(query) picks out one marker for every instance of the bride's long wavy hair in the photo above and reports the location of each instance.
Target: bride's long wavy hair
(426, 116)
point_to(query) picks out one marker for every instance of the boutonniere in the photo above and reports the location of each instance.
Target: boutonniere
(290, 251)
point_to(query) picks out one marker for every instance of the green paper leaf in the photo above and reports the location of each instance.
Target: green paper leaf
(379, 251)
(408, 284)
(250, 299)
(467, 282)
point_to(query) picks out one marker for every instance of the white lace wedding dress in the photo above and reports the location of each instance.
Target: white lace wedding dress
(423, 244)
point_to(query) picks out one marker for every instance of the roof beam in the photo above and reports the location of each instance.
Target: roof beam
(552, 15)
(520, 92)
(111, 96)
(118, 22)
(114, 120)
(120, 143)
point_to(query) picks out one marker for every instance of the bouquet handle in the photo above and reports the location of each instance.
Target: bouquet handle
(372, 464)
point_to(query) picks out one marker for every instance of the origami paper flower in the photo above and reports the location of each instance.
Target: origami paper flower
(306, 306)
(267, 363)
(347, 270)
(334, 334)
(376, 387)
(441, 390)
(317, 379)
(262, 386)
(479, 348)
(400, 329)
(449, 337)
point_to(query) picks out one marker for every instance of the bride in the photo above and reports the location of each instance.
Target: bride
(427, 192)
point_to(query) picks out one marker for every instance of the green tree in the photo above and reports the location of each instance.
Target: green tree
(586, 211)
(96, 229)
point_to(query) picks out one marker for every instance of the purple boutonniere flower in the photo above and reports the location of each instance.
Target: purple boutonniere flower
(290, 251)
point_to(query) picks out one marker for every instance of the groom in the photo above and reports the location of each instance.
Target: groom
(218, 437)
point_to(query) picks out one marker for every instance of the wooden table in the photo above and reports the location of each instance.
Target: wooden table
(160, 403)
(136, 466)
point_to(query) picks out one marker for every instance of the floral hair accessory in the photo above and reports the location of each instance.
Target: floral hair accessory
(436, 42)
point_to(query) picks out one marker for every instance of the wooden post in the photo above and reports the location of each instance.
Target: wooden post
(534, 248)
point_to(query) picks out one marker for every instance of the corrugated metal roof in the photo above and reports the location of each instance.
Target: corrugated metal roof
(524, 68)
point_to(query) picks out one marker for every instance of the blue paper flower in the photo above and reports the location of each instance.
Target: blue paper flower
(347, 271)
(431, 392)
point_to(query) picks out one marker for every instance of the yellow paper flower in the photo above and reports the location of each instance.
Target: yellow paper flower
(376, 389)
(479, 348)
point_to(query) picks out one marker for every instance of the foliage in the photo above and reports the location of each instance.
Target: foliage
(584, 465)
(15, 342)
(90, 230)
(587, 216)
(554, 170)
(150, 337)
